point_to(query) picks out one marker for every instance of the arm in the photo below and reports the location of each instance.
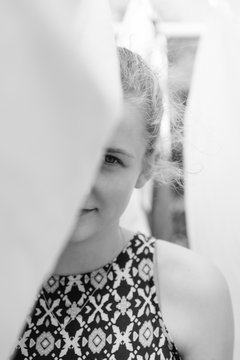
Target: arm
(195, 302)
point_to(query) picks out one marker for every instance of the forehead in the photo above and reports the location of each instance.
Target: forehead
(129, 133)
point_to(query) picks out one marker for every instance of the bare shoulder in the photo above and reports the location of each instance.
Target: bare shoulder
(187, 270)
(195, 302)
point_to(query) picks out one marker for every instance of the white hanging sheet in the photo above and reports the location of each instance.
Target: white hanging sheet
(212, 152)
(60, 98)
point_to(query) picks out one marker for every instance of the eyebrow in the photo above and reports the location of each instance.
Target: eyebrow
(119, 151)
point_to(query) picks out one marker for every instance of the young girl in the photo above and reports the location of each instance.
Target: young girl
(118, 295)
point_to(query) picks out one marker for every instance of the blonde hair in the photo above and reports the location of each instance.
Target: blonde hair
(141, 86)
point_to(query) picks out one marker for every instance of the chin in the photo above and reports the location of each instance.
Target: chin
(83, 231)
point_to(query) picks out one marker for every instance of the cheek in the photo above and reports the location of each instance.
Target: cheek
(113, 190)
(119, 193)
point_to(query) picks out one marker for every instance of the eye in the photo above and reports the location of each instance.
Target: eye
(112, 160)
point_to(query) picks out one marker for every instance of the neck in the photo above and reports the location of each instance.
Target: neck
(89, 254)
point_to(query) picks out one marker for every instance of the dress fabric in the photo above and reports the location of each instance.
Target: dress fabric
(121, 320)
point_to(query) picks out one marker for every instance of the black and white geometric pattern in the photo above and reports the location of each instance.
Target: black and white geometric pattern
(120, 321)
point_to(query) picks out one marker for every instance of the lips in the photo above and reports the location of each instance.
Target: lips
(87, 211)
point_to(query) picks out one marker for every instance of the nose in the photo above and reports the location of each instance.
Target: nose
(97, 182)
(100, 182)
(91, 191)
(90, 199)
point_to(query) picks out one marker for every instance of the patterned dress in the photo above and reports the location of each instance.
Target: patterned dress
(110, 313)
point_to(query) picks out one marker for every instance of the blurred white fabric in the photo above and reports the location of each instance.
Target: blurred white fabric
(60, 98)
(212, 151)
(137, 31)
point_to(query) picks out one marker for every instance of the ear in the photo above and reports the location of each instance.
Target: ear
(142, 179)
(145, 174)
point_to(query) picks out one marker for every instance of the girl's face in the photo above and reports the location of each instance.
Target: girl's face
(122, 169)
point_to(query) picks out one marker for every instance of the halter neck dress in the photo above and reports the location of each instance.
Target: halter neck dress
(110, 313)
